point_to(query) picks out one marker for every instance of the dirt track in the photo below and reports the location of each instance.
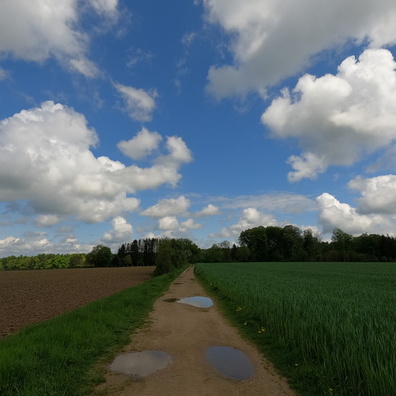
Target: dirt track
(185, 332)
(28, 297)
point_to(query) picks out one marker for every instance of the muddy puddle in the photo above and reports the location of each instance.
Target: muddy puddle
(140, 364)
(196, 301)
(230, 362)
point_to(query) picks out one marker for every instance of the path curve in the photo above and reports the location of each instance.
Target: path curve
(185, 332)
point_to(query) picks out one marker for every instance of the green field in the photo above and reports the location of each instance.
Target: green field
(329, 327)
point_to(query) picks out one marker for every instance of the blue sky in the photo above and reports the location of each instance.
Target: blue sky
(122, 120)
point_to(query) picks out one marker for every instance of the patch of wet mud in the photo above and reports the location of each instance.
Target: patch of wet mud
(140, 364)
(230, 362)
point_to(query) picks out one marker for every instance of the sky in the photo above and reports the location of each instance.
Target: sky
(198, 119)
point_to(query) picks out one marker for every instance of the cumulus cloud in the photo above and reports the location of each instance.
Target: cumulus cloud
(334, 214)
(171, 227)
(139, 104)
(308, 166)
(190, 225)
(121, 231)
(168, 223)
(338, 118)
(271, 40)
(251, 217)
(378, 194)
(168, 207)
(41, 29)
(210, 210)
(143, 144)
(54, 169)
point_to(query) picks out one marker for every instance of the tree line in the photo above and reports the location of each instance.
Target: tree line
(289, 243)
(256, 244)
(164, 254)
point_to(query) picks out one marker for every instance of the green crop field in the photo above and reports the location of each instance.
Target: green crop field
(329, 327)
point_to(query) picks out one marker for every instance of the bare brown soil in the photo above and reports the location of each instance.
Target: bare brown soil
(185, 332)
(28, 297)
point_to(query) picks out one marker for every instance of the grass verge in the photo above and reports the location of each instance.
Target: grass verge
(55, 357)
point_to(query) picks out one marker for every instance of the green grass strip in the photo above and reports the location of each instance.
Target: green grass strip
(56, 357)
(330, 328)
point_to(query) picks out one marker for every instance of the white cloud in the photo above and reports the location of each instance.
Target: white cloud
(168, 223)
(33, 243)
(85, 67)
(107, 7)
(334, 214)
(121, 231)
(178, 151)
(378, 194)
(143, 144)
(139, 104)
(171, 227)
(338, 118)
(306, 166)
(210, 210)
(39, 29)
(168, 207)
(251, 217)
(271, 39)
(47, 220)
(54, 169)
(190, 225)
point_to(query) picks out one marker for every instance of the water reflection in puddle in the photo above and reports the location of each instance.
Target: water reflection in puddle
(140, 364)
(197, 301)
(230, 362)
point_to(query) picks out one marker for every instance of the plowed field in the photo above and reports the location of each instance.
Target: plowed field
(28, 297)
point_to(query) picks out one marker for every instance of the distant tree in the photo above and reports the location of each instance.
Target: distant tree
(100, 256)
(77, 260)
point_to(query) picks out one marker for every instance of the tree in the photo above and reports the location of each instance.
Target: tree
(257, 242)
(341, 240)
(311, 244)
(100, 256)
(292, 243)
(135, 253)
(163, 260)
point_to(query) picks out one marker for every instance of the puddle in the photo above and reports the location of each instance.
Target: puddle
(197, 301)
(230, 362)
(140, 364)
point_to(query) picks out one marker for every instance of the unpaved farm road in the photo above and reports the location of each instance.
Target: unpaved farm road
(185, 332)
